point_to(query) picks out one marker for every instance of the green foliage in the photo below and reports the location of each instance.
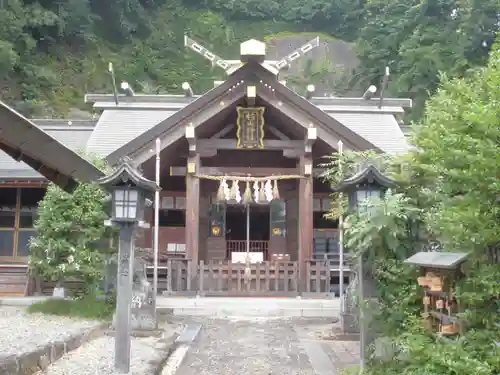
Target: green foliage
(89, 307)
(418, 39)
(44, 45)
(380, 229)
(456, 162)
(381, 233)
(72, 240)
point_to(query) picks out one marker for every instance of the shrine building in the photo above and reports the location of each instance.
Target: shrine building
(240, 164)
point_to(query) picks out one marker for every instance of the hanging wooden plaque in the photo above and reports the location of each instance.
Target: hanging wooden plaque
(250, 127)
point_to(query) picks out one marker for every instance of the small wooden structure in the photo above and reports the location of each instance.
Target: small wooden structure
(440, 271)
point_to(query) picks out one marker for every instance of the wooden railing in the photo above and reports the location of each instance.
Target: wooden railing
(280, 278)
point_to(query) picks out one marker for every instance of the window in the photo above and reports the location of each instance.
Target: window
(6, 243)
(18, 212)
(8, 204)
(172, 218)
(173, 203)
(180, 203)
(167, 203)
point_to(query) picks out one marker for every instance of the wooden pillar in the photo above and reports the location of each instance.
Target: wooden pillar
(306, 207)
(305, 196)
(192, 200)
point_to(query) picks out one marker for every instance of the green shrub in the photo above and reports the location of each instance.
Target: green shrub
(89, 307)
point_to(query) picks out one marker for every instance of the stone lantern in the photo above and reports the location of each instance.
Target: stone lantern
(368, 183)
(129, 191)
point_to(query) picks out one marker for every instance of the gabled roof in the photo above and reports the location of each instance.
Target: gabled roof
(22, 140)
(130, 127)
(216, 98)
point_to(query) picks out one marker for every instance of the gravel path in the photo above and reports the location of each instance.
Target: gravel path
(21, 332)
(258, 346)
(97, 356)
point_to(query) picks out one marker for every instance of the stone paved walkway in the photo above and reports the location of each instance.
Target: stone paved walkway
(247, 347)
(264, 347)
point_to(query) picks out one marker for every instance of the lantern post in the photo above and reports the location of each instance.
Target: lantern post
(129, 192)
(368, 183)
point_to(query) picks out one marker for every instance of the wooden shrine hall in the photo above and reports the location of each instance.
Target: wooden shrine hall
(242, 197)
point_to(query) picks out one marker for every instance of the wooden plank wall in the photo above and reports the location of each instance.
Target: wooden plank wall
(14, 280)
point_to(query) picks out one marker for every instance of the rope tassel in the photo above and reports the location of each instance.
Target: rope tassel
(221, 196)
(247, 196)
(276, 192)
(237, 195)
(256, 191)
(234, 190)
(262, 192)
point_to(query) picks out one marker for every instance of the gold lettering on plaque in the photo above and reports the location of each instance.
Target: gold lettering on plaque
(250, 127)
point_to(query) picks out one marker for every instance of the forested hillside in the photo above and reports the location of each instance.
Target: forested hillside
(53, 51)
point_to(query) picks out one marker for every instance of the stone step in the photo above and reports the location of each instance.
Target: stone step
(242, 302)
(251, 307)
(225, 312)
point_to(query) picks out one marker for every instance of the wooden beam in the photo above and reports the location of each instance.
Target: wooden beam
(360, 102)
(221, 133)
(230, 144)
(243, 171)
(236, 171)
(191, 138)
(168, 99)
(312, 135)
(20, 183)
(277, 133)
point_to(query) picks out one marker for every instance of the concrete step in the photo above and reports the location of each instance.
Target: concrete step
(267, 313)
(250, 307)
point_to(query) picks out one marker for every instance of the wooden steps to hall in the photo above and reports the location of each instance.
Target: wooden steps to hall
(14, 280)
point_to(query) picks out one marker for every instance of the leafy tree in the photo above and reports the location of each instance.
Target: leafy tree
(73, 40)
(419, 39)
(457, 162)
(381, 234)
(72, 240)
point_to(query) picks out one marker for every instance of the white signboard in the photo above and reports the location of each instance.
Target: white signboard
(241, 257)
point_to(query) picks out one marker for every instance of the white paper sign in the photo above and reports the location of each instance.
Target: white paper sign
(241, 257)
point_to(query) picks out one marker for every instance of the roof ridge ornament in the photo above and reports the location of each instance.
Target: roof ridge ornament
(251, 49)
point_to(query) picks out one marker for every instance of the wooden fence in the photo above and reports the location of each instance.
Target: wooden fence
(223, 278)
